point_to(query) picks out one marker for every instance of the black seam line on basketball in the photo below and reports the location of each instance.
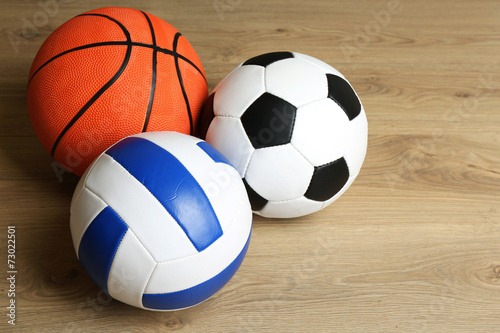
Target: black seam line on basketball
(159, 49)
(192, 64)
(87, 46)
(83, 47)
(179, 76)
(170, 52)
(153, 79)
(103, 88)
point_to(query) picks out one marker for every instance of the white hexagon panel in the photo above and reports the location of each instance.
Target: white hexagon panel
(279, 173)
(322, 131)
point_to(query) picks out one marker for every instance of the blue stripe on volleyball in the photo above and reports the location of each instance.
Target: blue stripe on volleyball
(173, 185)
(99, 245)
(197, 294)
(213, 153)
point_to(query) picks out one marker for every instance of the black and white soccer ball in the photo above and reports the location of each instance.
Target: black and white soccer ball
(294, 129)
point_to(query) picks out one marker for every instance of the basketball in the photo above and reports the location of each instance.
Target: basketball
(161, 221)
(110, 73)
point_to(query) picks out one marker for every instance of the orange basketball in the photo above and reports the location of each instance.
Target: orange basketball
(110, 73)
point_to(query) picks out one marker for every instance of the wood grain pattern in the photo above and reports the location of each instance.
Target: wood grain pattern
(412, 246)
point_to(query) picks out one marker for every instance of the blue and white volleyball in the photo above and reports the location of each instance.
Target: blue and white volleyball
(161, 221)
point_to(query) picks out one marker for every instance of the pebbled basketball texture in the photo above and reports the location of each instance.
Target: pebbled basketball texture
(110, 73)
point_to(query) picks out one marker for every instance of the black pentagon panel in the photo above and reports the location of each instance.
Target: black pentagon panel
(328, 180)
(342, 93)
(206, 117)
(268, 58)
(269, 121)
(256, 201)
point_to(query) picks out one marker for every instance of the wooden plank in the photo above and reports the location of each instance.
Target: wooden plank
(412, 246)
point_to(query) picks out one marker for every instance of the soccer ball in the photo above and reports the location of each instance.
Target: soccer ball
(294, 129)
(161, 221)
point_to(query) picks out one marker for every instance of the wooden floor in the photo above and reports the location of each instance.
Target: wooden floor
(412, 246)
